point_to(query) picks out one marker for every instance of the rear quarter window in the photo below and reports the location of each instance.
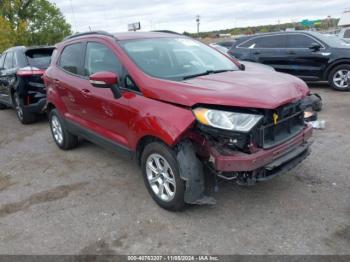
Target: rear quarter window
(39, 58)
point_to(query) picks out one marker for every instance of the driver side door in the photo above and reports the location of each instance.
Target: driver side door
(107, 115)
(304, 62)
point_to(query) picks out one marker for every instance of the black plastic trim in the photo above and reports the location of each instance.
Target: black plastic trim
(98, 139)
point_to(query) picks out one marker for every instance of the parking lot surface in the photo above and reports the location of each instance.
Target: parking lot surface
(92, 201)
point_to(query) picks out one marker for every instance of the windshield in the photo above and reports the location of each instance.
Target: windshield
(332, 40)
(176, 58)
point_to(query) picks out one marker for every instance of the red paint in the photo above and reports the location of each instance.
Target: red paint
(239, 161)
(108, 78)
(163, 109)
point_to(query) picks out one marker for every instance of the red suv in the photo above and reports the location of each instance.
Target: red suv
(180, 108)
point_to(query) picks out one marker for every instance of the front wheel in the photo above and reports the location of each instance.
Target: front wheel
(161, 176)
(339, 78)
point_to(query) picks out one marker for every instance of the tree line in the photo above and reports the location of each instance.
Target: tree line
(323, 25)
(31, 22)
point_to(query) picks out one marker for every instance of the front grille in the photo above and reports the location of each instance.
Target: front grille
(290, 123)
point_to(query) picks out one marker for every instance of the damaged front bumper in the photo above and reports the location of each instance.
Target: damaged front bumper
(262, 164)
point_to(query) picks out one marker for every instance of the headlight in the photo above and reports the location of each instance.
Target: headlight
(226, 120)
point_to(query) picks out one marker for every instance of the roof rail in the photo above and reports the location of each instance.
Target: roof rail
(89, 33)
(166, 31)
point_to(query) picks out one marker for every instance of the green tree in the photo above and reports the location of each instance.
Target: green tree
(31, 22)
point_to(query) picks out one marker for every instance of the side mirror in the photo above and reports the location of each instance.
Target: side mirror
(106, 80)
(315, 47)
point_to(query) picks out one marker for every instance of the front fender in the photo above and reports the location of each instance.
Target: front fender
(158, 119)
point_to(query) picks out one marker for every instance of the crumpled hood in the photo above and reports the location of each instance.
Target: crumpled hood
(254, 89)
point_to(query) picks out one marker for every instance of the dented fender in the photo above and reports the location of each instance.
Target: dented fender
(165, 121)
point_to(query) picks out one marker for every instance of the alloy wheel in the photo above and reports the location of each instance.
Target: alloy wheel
(160, 177)
(19, 109)
(341, 78)
(57, 129)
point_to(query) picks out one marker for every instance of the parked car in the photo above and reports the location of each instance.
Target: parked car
(176, 106)
(344, 34)
(227, 43)
(309, 55)
(21, 84)
(220, 48)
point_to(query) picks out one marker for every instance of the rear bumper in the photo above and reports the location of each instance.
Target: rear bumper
(37, 107)
(281, 155)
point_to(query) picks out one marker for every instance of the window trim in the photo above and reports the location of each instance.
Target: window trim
(260, 36)
(96, 42)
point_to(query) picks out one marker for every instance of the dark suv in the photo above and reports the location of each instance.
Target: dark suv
(21, 84)
(309, 55)
(178, 107)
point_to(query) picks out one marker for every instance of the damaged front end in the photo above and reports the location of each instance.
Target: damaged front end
(278, 142)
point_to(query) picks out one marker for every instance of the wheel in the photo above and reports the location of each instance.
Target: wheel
(62, 137)
(339, 78)
(23, 115)
(161, 175)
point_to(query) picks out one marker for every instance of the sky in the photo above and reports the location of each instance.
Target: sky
(180, 15)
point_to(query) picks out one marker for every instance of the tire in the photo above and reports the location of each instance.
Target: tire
(22, 114)
(62, 137)
(341, 72)
(169, 181)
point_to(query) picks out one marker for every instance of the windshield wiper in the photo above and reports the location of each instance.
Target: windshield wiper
(208, 72)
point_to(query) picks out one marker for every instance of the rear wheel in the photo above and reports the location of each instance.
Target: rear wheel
(62, 137)
(161, 175)
(23, 115)
(339, 78)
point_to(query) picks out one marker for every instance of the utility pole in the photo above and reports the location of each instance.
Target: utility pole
(198, 20)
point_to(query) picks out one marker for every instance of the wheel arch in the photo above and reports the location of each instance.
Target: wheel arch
(142, 143)
(333, 65)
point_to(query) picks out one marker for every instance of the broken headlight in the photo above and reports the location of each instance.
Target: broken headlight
(234, 121)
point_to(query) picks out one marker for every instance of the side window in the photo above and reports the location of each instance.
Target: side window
(8, 61)
(275, 41)
(71, 58)
(100, 58)
(2, 59)
(299, 41)
(130, 84)
(248, 44)
(347, 33)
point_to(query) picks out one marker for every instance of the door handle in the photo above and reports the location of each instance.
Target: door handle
(85, 92)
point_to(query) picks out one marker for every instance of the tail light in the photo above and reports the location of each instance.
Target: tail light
(30, 71)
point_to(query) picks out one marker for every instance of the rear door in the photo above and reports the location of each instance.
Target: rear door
(2, 60)
(7, 77)
(69, 81)
(304, 62)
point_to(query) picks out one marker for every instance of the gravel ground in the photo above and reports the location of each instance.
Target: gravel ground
(92, 201)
